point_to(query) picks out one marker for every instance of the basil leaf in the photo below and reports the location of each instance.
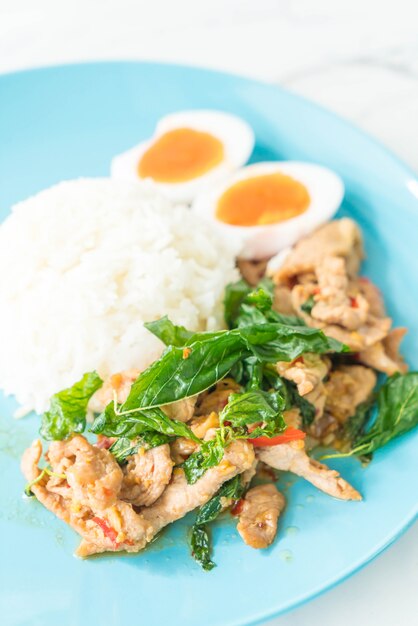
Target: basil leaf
(169, 333)
(306, 408)
(278, 342)
(210, 454)
(260, 299)
(234, 295)
(210, 356)
(176, 375)
(252, 372)
(139, 423)
(308, 305)
(199, 543)
(355, 424)
(245, 305)
(67, 411)
(256, 308)
(208, 512)
(254, 406)
(199, 538)
(397, 404)
(123, 447)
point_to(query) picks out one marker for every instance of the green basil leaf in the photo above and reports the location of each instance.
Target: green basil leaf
(139, 423)
(124, 447)
(253, 372)
(308, 305)
(254, 406)
(199, 543)
(278, 342)
(256, 308)
(169, 333)
(355, 424)
(67, 411)
(397, 413)
(306, 408)
(210, 454)
(199, 538)
(177, 375)
(208, 512)
(234, 295)
(210, 356)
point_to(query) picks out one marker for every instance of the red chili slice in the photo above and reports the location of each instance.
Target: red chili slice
(290, 434)
(108, 531)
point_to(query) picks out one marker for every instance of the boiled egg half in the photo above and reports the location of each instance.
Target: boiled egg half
(190, 152)
(269, 206)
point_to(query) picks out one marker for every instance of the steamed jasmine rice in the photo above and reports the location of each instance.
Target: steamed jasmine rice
(83, 265)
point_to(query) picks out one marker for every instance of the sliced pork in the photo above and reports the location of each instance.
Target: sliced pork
(258, 516)
(292, 457)
(347, 387)
(104, 522)
(146, 475)
(179, 497)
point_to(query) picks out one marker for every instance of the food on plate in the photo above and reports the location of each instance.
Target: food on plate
(320, 279)
(182, 357)
(198, 427)
(258, 515)
(270, 206)
(188, 153)
(83, 266)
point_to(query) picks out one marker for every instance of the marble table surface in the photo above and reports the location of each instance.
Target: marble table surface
(358, 58)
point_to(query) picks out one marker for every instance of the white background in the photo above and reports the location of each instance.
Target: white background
(357, 57)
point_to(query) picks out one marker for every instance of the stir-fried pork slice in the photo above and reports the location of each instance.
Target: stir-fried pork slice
(92, 473)
(182, 410)
(373, 331)
(118, 385)
(282, 300)
(252, 271)
(333, 302)
(384, 355)
(118, 528)
(201, 425)
(372, 295)
(317, 397)
(391, 343)
(146, 475)
(179, 497)
(258, 517)
(217, 399)
(249, 473)
(347, 387)
(114, 528)
(292, 457)
(306, 371)
(181, 447)
(292, 417)
(339, 238)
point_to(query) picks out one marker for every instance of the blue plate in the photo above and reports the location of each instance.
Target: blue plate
(66, 122)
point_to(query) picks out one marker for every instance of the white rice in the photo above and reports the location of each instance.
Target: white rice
(83, 265)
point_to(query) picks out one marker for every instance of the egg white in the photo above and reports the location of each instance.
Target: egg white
(326, 191)
(235, 134)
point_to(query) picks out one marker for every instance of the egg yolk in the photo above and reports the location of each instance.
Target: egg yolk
(259, 200)
(181, 155)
